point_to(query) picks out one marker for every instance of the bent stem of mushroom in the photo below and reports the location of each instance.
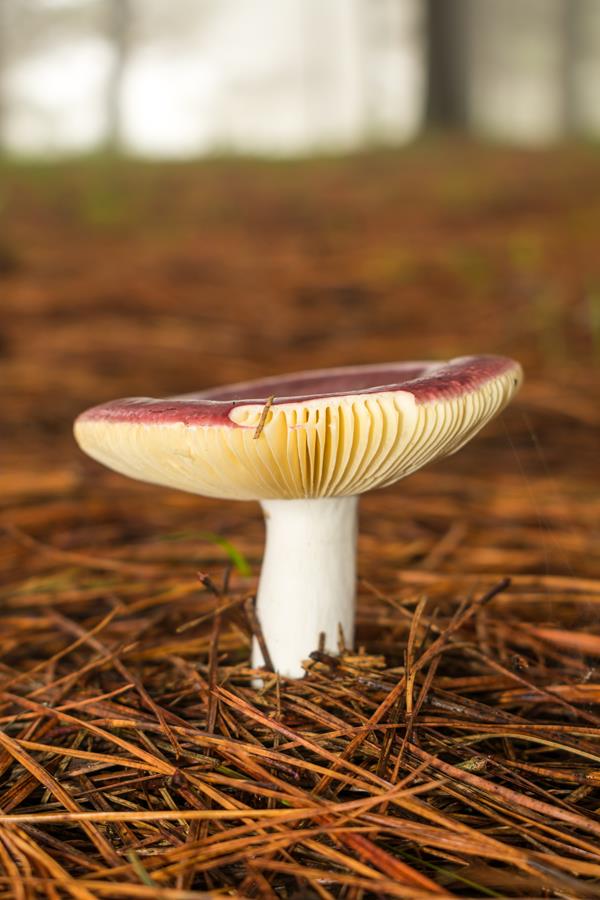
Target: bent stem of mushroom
(308, 580)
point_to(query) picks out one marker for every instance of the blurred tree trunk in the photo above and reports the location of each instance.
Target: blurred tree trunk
(582, 60)
(447, 36)
(119, 32)
(571, 35)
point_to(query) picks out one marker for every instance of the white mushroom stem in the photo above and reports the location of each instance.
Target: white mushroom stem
(308, 579)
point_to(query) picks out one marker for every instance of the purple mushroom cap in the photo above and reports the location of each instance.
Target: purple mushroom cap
(332, 432)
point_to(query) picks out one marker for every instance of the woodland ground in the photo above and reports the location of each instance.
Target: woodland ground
(457, 753)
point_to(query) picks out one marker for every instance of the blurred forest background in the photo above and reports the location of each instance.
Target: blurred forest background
(195, 192)
(190, 77)
(155, 240)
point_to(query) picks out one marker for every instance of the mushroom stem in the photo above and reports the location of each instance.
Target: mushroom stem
(308, 579)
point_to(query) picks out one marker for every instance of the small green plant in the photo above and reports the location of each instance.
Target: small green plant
(235, 556)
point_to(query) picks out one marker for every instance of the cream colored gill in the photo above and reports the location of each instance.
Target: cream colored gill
(332, 447)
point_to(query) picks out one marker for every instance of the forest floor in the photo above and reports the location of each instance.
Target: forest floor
(457, 751)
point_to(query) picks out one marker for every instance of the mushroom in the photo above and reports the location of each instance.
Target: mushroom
(305, 446)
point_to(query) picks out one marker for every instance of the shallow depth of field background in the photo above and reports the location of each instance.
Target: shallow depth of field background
(427, 185)
(195, 192)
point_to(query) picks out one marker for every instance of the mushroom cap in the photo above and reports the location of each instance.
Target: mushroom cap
(325, 433)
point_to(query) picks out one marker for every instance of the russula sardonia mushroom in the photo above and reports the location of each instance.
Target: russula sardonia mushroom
(305, 446)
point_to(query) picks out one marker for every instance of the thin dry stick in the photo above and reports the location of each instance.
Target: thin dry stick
(256, 629)
(263, 417)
